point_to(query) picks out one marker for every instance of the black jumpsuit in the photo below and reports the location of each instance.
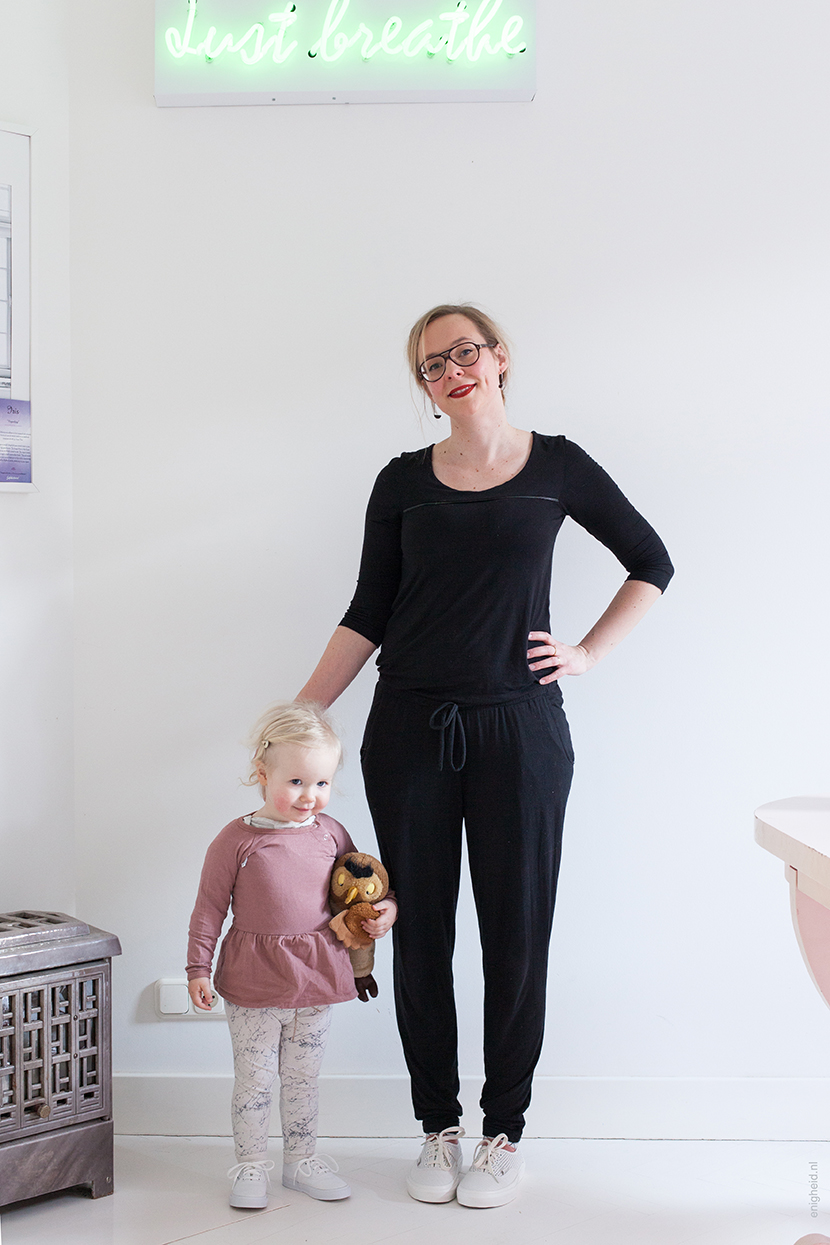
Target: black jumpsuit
(460, 729)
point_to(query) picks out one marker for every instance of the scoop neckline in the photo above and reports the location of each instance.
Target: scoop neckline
(472, 492)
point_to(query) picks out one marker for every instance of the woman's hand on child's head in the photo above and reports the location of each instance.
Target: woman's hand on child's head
(388, 910)
(200, 992)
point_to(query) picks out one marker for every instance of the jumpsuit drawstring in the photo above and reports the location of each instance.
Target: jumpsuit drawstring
(447, 720)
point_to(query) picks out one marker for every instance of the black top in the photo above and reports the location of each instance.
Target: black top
(451, 582)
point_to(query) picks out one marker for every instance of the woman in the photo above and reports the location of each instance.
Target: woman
(467, 723)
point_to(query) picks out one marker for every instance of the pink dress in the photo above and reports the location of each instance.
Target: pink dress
(279, 952)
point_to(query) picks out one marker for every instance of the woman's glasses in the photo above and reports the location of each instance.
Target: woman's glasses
(464, 354)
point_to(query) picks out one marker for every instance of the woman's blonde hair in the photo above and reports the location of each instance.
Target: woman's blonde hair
(300, 722)
(490, 332)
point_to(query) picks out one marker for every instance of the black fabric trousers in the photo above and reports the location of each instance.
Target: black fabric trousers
(510, 793)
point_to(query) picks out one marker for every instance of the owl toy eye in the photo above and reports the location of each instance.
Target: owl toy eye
(341, 878)
(370, 889)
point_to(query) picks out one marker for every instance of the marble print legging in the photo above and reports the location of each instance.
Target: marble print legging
(269, 1042)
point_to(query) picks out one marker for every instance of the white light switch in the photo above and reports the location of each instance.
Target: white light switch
(173, 1002)
(172, 998)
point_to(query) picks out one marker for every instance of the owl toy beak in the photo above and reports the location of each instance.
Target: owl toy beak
(350, 896)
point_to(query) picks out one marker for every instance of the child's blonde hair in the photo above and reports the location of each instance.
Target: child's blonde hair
(300, 722)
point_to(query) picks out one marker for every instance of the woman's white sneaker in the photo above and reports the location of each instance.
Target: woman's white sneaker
(493, 1179)
(249, 1190)
(316, 1177)
(435, 1176)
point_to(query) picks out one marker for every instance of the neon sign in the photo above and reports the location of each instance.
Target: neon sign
(341, 51)
(179, 45)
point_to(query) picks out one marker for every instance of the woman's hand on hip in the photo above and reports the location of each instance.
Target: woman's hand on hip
(556, 657)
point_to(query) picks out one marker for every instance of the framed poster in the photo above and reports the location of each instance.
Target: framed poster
(219, 52)
(15, 296)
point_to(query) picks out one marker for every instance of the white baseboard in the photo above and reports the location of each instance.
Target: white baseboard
(753, 1109)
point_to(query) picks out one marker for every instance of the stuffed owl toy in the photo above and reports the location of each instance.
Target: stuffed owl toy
(357, 881)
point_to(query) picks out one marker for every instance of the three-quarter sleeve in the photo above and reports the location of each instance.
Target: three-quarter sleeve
(379, 576)
(452, 581)
(594, 501)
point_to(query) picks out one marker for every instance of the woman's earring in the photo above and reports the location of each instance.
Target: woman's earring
(501, 380)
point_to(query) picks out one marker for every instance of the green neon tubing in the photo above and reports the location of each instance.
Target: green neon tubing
(512, 28)
(455, 19)
(410, 49)
(334, 42)
(487, 10)
(179, 46)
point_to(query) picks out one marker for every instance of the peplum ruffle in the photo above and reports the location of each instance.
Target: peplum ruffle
(284, 970)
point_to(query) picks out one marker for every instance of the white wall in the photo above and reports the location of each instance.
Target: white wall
(36, 730)
(652, 231)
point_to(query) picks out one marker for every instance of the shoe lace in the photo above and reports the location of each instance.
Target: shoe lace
(264, 1166)
(493, 1156)
(317, 1165)
(436, 1152)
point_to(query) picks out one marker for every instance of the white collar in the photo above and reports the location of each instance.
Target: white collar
(269, 823)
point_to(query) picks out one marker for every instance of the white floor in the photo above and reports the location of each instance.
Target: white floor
(173, 1189)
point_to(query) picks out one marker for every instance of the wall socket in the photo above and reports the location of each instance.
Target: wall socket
(174, 1003)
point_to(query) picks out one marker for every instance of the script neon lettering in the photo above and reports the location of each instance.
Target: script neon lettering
(261, 49)
(482, 19)
(176, 44)
(391, 31)
(455, 19)
(284, 20)
(179, 45)
(335, 15)
(211, 53)
(367, 41)
(334, 42)
(511, 30)
(473, 45)
(340, 42)
(410, 48)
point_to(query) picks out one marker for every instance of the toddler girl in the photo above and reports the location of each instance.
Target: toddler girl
(280, 967)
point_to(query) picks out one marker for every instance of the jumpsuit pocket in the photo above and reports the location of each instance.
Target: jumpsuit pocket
(368, 730)
(561, 730)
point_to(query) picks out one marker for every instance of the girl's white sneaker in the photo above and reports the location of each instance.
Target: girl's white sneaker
(249, 1190)
(435, 1175)
(493, 1179)
(316, 1177)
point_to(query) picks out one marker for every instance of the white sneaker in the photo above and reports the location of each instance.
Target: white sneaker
(315, 1176)
(493, 1179)
(435, 1176)
(249, 1190)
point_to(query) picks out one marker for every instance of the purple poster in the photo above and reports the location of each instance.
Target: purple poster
(15, 442)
